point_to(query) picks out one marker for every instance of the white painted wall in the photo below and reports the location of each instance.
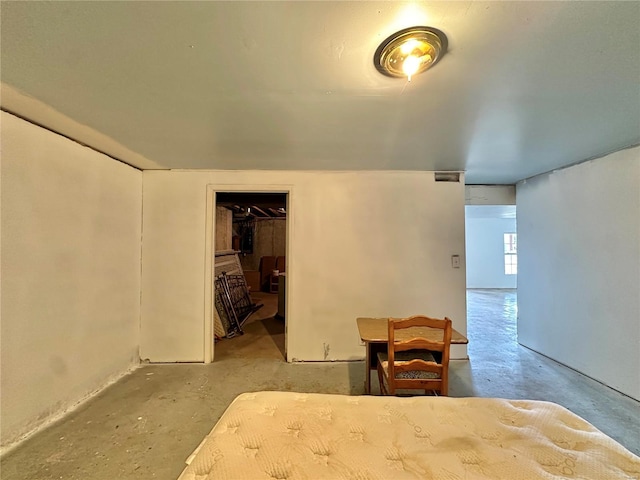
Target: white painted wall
(490, 195)
(579, 268)
(71, 226)
(361, 244)
(485, 252)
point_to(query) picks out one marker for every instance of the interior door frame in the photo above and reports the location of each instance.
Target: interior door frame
(210, 235)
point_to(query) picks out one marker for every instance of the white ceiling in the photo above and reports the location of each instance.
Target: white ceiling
(525, 88)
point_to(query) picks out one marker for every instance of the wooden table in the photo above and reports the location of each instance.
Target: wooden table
(374, 334)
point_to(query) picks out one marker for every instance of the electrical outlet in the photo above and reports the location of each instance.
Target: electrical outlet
(455, 261)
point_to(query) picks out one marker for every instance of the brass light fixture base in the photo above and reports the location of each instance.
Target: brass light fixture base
(410, 51)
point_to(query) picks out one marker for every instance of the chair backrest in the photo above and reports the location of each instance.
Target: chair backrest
(419, 333)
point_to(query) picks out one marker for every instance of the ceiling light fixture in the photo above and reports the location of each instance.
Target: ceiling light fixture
(410, 51)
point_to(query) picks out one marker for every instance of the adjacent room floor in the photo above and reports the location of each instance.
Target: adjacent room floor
(147, 424)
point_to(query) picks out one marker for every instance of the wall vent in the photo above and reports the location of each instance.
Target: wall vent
(447, 176)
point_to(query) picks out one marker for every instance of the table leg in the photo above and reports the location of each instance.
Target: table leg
(367, 369)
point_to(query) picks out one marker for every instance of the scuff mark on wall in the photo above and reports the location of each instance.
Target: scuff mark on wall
(326, 350)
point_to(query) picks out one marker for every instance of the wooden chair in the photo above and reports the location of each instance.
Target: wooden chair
(417, 355)
(267, 266)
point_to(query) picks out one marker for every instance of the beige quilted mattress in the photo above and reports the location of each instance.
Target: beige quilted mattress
(283, 435)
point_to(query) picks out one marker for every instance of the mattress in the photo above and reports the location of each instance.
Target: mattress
(284, 435)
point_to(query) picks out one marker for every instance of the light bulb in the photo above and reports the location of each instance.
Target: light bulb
(409, 46)
(410, 66)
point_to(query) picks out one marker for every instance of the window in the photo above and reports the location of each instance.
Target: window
(510, 254)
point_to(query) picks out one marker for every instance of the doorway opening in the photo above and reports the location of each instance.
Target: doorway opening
(249, 274)
(491, 255)
(491, 246)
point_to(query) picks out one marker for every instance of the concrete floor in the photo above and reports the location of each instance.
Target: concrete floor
(148, 423)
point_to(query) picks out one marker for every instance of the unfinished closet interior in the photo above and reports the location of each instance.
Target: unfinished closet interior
(249, 263)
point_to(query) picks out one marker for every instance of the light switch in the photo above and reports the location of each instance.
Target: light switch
(455, 261)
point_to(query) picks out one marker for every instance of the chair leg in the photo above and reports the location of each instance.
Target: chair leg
(381, 380)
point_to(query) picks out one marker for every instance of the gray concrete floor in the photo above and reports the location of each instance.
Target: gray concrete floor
(147, 424)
